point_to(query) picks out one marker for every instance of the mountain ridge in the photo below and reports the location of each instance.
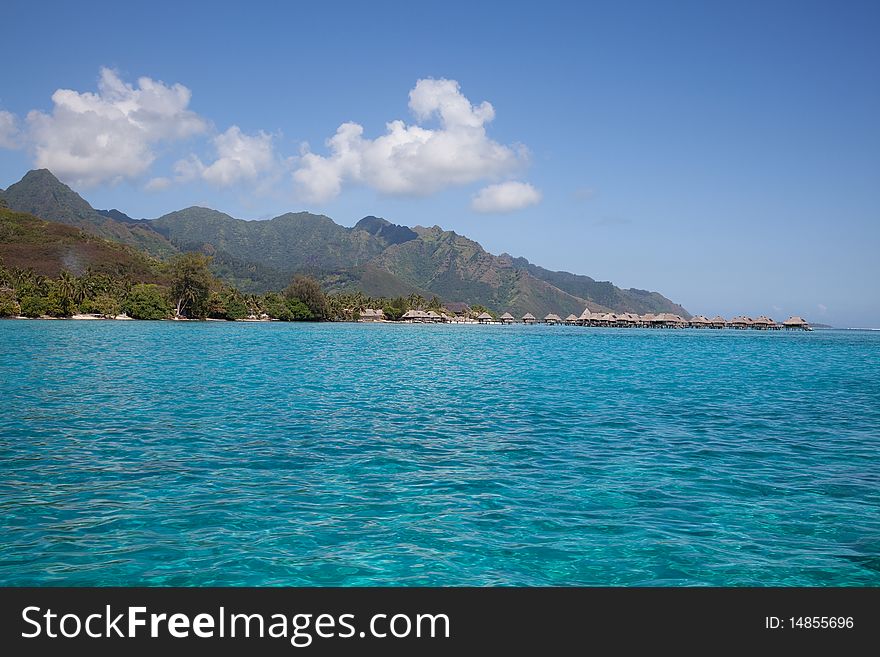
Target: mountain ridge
(376, 256)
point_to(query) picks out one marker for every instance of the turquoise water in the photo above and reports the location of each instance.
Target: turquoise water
(294, 454)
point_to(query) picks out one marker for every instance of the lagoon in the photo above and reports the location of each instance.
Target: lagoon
(163, 453)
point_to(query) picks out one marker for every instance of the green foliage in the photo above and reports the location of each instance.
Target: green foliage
(227, 304)
(33, 306)
(191, 284)
(280, 307)
(274, 305)
(299, 312)
(103, 304)
(59, 302)
(147, 301)
(392, 312)
(9, 307)
(309, 292)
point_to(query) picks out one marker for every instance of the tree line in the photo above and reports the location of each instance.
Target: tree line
(185, 287)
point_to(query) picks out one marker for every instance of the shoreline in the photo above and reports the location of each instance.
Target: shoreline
(126, 318)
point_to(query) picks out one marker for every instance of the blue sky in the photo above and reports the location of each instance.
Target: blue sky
(726, 154)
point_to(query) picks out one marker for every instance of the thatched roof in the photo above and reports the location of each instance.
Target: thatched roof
(648, 317)
(718, 319)
(571, 318)
(410, 314)
(586, 315)
(631, 317)
(552, 317)
(506, 316)
(433, 315)
(372, 312)
(485, 316)
(700, 319)
(795, 321)
(528, 316)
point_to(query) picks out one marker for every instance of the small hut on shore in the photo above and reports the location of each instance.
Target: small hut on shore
(485, 318)
(528, 318)
(552, 318)
(371, 315)
(432, 316)
(796, 323)
(507, 318)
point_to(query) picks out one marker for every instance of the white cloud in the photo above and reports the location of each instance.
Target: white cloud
(8, 130)
(92, 138)
(505, 197)
(411, 159)
(240, 158)
(158, 184)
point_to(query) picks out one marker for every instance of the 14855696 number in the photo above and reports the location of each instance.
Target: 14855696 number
(821, 622)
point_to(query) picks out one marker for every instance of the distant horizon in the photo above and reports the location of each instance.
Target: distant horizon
(642, 145)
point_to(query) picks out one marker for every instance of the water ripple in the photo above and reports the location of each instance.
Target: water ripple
(270, 454)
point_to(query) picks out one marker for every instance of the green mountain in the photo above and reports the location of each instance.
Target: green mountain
(47, 247)
(260, 255)
(376, 256)
(41, 194)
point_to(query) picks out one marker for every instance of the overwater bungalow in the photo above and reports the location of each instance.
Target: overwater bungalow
(584, 319)
(700, 322)
(765, 323)
(740, 322)
(507, 318)
(630, 320)
(528, 318)
(796, 323)
(485, 318)
(433, 317)
(668, 320)
(718, 322)
(648, 320)
(552, 318)
(603, 319)
(571, 319)
(371, 315)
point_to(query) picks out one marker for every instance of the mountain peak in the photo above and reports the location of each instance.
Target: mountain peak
(41, 194)
(41, 175)
(388, 232)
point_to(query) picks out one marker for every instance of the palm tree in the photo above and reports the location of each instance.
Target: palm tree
(66, 289)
